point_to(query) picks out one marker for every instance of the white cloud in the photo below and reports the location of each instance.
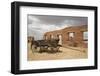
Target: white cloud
(33, 18)
(37, 29)
(38, 26)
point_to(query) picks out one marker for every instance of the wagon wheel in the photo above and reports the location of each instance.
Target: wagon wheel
(50, 49)
(34, 48)
(46, 47)
(59, 48)
(55, 49)
(38, 49)
(41, 49)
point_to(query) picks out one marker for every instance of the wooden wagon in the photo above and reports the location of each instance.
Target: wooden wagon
(50, 46)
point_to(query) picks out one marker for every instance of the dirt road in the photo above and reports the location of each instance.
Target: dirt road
(66, 53)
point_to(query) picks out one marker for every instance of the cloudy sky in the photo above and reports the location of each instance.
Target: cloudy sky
(39, 24)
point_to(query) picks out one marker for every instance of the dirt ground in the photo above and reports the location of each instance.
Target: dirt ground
(66, 53)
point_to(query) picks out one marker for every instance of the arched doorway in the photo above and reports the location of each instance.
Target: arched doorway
(51, 36)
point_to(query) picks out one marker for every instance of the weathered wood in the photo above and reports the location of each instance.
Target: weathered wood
(46, 45)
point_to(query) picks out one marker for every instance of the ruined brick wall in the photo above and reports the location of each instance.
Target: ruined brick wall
(76, 41)
(52, 33)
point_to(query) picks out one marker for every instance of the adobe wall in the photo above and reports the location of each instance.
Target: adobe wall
(76, 41)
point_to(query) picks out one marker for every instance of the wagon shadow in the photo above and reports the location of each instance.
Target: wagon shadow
(49, 51)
